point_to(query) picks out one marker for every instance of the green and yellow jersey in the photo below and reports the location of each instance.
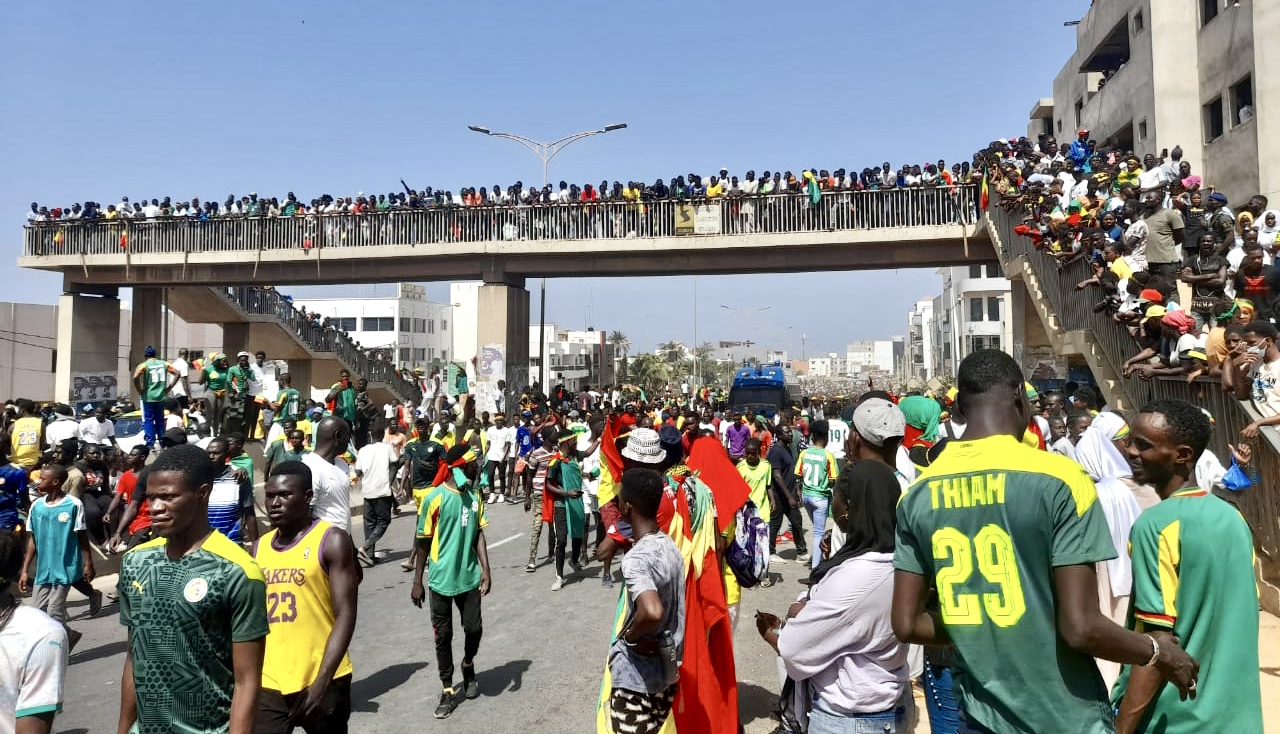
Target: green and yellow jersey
(452, 520)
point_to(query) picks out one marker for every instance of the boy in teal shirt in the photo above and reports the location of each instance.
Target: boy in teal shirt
(57, 548)
(816, 468)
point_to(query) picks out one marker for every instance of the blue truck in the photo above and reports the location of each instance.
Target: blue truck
(763, 390)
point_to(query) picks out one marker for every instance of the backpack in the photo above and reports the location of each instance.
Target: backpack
(748, 554)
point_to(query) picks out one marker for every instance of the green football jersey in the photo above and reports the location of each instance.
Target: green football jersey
(215, 378)
(288, 400)
(1193, 576)
(183, 617)
(817, 470)
(987, 523)
(155, 379)
(453, 521)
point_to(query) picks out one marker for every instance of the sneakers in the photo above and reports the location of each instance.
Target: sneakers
(530, 568)
(448, 703)
(406, 565)
(786, 535)
(775, 558)
(492, 499)
(95, 603)
(363, 556)
(803, 557)
(470, 688)
(606, 580)
(559, 584)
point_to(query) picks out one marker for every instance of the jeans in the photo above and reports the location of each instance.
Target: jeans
(817, 508)
(377, 518)
(824, 721)
(442, 623)
(940, 701)
(494, 474)
(152, 423)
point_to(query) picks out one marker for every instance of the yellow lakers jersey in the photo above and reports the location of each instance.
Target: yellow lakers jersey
(299, 610)
(26, 443)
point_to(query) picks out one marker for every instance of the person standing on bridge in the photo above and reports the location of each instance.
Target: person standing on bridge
(153, 378)
(451, 543)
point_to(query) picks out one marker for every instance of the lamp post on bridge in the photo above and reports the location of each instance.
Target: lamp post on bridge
(545, 150)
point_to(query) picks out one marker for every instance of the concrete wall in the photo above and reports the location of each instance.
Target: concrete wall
(1225, 48)
(1266, 94)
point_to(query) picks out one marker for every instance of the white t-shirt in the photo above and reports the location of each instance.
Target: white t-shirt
(499, 442)
(97, 432)
(1266, 389)
(33, 666)
(60, 430)
(180, 366)
(837, 434)
(331, 490)
(373, 462)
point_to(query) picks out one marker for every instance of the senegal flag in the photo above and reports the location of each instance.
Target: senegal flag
(984, 192)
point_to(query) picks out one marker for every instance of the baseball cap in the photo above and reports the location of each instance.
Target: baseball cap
(877, 420)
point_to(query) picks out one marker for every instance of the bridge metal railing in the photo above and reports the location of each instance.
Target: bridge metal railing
(730, 215)
(259, 301)
(1260, 503)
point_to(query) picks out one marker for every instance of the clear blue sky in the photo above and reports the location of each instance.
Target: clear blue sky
(199, 99)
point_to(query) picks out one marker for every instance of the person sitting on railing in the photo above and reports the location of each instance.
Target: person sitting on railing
(1179, 336)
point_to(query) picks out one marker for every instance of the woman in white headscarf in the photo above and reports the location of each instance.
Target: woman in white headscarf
(1122, 500)
(1268, 227)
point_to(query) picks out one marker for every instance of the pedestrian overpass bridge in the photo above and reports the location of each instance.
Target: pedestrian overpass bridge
(204, 270)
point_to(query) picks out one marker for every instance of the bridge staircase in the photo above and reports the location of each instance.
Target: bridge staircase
(1075, 329)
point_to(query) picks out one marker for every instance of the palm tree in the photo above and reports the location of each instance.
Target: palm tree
(672, 352)
(622, 348)
(704, 365)
(650, 372)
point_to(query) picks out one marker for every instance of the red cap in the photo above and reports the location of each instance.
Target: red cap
(1152, 295)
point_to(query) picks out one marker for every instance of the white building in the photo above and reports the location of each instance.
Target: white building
(973, 312)
(918, 360)
(574, 358)
(414, 331)
(1143, 69)
(465, 299)
(865, 356)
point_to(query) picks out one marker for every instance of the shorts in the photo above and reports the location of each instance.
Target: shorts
(419, 494)
(330, 717)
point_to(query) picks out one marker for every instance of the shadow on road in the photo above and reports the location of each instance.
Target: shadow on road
(102, 651)
(74, 731)
(754, 703)
(365, 690)
(504, 678)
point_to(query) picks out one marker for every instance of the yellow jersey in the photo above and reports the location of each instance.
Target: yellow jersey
(26, 442)
(299, 610)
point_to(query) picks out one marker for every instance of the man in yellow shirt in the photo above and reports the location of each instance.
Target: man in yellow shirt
(312, 584)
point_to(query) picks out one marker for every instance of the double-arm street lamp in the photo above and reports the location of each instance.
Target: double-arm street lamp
(546, 150)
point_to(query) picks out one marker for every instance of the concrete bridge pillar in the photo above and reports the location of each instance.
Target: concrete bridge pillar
(88, 348)
(502, 341)
(146, 324)
(300, 375)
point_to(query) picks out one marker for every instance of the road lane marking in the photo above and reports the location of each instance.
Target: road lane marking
(504, 541)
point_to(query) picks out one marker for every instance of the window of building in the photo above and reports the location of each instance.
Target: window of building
(946, 350)
(983, 342)
(1209, 11)
(1139, 23)
(1079, 110)
(993, 270)
(993, 308)
(405, 324)
(975, 309)
(379, 323)
(418, 326)
(431, 326)
(404, 354)
(444, 355)
(1213, 123)
(1242, 101)
(419, 355)
(975, 271)
(444, 324)
(344, 323)
(1059, 126)
(431, 353)
(1142, 130)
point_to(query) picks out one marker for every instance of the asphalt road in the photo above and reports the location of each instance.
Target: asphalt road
(539, 664)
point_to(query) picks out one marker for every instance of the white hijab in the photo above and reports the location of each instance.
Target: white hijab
(1268, 235)
(1100, 458)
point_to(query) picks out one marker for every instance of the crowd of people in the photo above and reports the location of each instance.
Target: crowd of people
(1170, 257)
(779, 201)
(946, 536)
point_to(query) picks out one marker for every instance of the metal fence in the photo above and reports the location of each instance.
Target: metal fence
(1260, 503)
(733, 215)
(258, 301)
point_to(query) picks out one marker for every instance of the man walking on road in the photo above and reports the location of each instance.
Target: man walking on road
(451, 542)
(500, 438)
(154, 378)
(195, 606)
(375, 466)
(311, 598)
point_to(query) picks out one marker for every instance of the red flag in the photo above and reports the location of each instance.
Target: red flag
(611, 466)
(124, 240)
(728, 488)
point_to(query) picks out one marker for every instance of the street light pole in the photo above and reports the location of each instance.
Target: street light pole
(546, 150)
